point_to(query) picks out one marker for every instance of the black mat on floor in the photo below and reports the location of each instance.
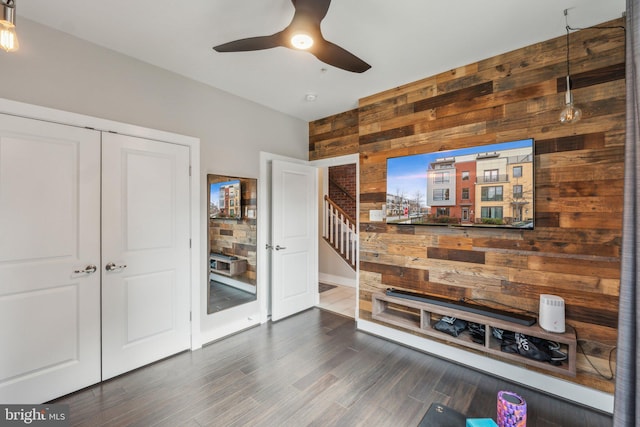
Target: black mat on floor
(441, 416)
(325, 287)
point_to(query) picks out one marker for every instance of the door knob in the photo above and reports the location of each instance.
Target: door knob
(280, 248)
(88, 269)
(113, 267)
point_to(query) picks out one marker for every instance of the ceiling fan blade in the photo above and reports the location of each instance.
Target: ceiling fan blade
(315, 10)
(333, 54)
(251, 43)
(306, 19)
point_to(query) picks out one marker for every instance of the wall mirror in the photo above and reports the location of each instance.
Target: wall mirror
(232, 239)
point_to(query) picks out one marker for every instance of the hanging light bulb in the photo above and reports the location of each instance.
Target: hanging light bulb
(8, 36)
(570, 113)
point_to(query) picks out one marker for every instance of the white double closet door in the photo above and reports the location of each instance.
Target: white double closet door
(94, 256)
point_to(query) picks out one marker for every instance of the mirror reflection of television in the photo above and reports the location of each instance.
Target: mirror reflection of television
(225, 200)
(489, 186)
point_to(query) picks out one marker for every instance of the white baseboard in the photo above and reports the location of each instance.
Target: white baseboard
(551, 385)
(230, 328)
(331, 279)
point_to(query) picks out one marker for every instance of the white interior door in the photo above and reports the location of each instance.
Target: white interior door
(294, 217)
(49, 254)
(145, 255)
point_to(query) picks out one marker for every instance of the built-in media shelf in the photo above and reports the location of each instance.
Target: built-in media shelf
(420, 317)
(227, 265)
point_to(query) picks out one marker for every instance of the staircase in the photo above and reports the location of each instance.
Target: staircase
(339, 230)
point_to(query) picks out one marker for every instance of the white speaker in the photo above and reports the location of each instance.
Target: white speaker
(551, 314)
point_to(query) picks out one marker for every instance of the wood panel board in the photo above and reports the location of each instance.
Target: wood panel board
(335, 123)
(603, 269)
(453, 74)
(459, 118)
(549, 193)
(570, 173)
(561, 281)
(610, 205)
(582, 158)
(395, 119)
(590, 220)
(463, 279)
(590, 332)
(506, 260)
(583, 237)
(575, 248)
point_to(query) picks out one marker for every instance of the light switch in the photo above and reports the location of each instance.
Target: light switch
(376, 215)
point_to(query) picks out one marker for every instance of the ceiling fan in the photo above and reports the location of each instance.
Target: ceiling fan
(303, 33)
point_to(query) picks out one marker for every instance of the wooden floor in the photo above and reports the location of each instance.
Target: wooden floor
(223, 296)
(313, 368)
(340, 299)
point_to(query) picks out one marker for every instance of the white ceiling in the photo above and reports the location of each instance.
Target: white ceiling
(403, 40)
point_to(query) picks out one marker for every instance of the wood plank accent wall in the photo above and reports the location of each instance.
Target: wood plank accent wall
(574, 251)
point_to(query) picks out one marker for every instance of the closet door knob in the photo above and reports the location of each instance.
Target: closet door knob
(113, 267)
(88, 269)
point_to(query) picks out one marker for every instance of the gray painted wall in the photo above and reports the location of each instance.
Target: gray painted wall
(56, 70)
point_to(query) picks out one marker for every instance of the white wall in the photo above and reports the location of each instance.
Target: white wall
(332, 268)
(56, 70)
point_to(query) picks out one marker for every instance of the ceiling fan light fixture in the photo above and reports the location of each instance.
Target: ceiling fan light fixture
(301, 41)
(8, 36)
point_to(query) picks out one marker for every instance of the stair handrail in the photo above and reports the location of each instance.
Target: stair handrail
(339, 230)
(339, 209)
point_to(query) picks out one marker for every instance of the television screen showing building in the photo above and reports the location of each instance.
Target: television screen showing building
(489, 185)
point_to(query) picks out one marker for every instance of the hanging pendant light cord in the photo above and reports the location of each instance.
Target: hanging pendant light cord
(566, 20)
(571, 113)
(570, 28)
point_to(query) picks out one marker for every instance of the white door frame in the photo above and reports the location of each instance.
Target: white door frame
(64, 117)
(264, 221)
(339, 161)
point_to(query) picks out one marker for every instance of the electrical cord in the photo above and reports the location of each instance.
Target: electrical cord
(619, 27)
(570, 28)
(609, 376)
(596, 27)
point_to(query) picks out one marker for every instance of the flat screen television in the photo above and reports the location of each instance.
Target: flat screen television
(225, 200)
(483, 186)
